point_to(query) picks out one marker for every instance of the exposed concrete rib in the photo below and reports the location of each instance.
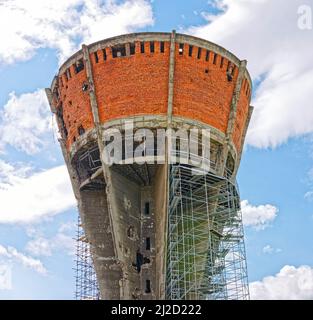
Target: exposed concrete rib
(171, 78)
(250, 112)
(106, 170)
(50, 99)
(232, 117)
(235, 99)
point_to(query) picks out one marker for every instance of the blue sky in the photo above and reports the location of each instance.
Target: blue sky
(276, 173)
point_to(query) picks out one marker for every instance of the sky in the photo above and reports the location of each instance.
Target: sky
(38, 212)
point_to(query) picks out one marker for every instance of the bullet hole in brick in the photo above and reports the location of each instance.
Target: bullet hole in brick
(79, 66)
(96, 57)
(119, 51)
(85, 86)
(148, 244)
(215, 58)
(142, 47)
(132, 48)
(181, 49)
(207, 56)
(70, 103)
(147, 208)
(81, 130)
(206, 71)
(162, 47)
(190, 50)
(151, 46)
(148, 286)
(199, 53)
(104, 54)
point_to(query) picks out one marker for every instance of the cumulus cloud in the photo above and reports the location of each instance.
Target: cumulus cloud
(258, 217)
(290, 283)
(268, 249)
(62, 241)
(279, 54)
(28, 197)
(25, 122)
(29, 262)
(64, 25)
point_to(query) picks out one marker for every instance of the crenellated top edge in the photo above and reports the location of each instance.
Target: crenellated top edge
(154, 36)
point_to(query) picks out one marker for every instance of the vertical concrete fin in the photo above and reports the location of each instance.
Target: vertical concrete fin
(243, 137)
(235, 99)
(50, 99)
(171, 78)
(92, 93)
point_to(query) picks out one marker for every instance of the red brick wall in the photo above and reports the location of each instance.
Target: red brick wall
(76, 104)
(199, 95)
(138, 84)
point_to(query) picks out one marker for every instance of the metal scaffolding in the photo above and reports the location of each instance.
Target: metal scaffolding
(205, 245)
(86, 285)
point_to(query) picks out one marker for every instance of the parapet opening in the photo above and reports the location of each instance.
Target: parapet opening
(162, 46)
(215, 58)
(222, 62)
(96, 57)
(152, 47)
(190, 50)
(119, 51)
(181, 49)
(207, 56)
(199, 53)
(142, 47)
(79, 66)
(132, 48)
(230, 71)
(104, 54)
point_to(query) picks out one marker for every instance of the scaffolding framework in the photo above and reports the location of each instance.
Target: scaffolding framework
(86, 285)
(205, 246)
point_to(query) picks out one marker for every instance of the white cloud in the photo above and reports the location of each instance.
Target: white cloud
(258, 217)
(63, 25)
(290, 283)
(46, 247)
(279, 53)
(268, 249)
(29, 262)
(29, 197)
(5, 277)
(25, 121)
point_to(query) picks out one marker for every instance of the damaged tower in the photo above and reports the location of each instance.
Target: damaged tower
(157, 230)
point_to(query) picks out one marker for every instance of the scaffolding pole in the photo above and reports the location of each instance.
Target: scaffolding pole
(205, 251)
(86, 285)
